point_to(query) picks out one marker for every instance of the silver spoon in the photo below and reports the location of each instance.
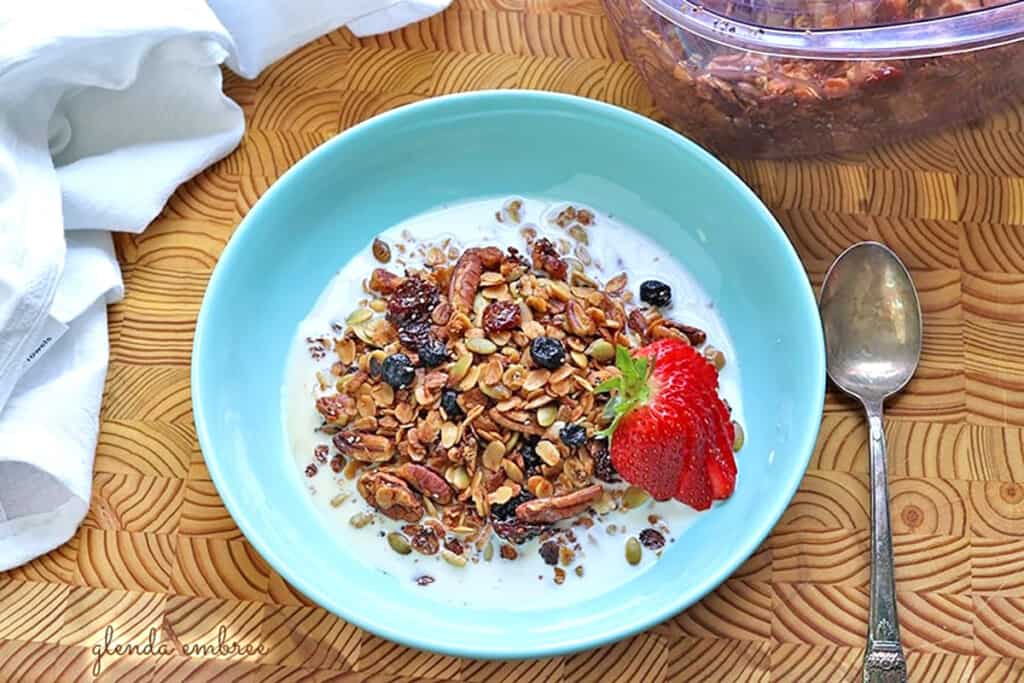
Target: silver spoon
(872, 322)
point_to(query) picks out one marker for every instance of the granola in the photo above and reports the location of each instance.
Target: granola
(460, 398)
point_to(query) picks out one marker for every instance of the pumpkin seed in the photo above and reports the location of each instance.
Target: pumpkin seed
(601, 350)
(481, 345)
(381, 250)
(449, 434)
(498, 392)
(633, 551)
(358, 316)
(360, 519)
(459, 369)
(399, 543)
(739, 438)
(548, 452)
(546, 415)
(453, 559)
(634, 497)
(493, 455)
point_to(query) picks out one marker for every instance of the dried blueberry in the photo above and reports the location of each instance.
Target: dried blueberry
(450, 403)
(655, 293)
(507, 510)
(374, 367)
(573, 434)
(549, 551)
(433, 352)
(531, 461)
(547, 352)
(398, 371)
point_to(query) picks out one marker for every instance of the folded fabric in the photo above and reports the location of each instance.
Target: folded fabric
(105, 108)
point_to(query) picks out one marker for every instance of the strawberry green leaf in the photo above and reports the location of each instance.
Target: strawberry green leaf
(629, 390)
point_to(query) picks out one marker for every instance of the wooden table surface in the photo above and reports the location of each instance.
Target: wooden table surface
(159, 551)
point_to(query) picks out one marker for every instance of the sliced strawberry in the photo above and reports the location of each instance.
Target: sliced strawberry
(672, 434)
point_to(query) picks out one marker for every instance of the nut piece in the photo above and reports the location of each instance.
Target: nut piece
(465, 279)
(362, 446)
(390, 495)
(426, 481)
(549, 510)
(546, 257)
(384, 281)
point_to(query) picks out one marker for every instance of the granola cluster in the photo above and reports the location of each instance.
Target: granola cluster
(462, 396)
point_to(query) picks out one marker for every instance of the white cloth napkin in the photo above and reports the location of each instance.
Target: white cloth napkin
(105, 108)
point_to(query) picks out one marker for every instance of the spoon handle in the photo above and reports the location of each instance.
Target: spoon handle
(884, 661)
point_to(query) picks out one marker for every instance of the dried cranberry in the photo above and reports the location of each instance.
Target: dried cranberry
(652, 539)
(549, 551)
(412, 301)
(502, 316)
(414, 334)
(885, 77)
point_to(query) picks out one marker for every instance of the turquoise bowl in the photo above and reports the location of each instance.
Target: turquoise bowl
(472, 146)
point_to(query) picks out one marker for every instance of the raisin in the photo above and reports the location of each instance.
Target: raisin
(450, 403)
(516, 531)
(652, 539)
(502, 316)
(603, 468)
(507, 510)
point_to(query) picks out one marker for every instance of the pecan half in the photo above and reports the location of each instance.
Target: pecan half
(548, 510)
(362, 446)
(695, 335)
(465, 279)
(384, 281)
(390, 495)
(426, 481)
(638, 321)
(333, 408)
(546, 258)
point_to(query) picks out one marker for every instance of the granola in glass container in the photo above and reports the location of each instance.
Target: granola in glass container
(452, 422)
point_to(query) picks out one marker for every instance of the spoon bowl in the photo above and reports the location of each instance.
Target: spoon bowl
(872, 321)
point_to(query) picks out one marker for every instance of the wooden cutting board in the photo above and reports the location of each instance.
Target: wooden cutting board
(159, 551)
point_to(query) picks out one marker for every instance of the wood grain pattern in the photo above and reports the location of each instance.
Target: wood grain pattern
(159, 552)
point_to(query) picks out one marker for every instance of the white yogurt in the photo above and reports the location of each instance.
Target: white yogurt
(614, 248)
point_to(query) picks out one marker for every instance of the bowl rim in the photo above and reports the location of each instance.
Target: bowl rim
(803, 444)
